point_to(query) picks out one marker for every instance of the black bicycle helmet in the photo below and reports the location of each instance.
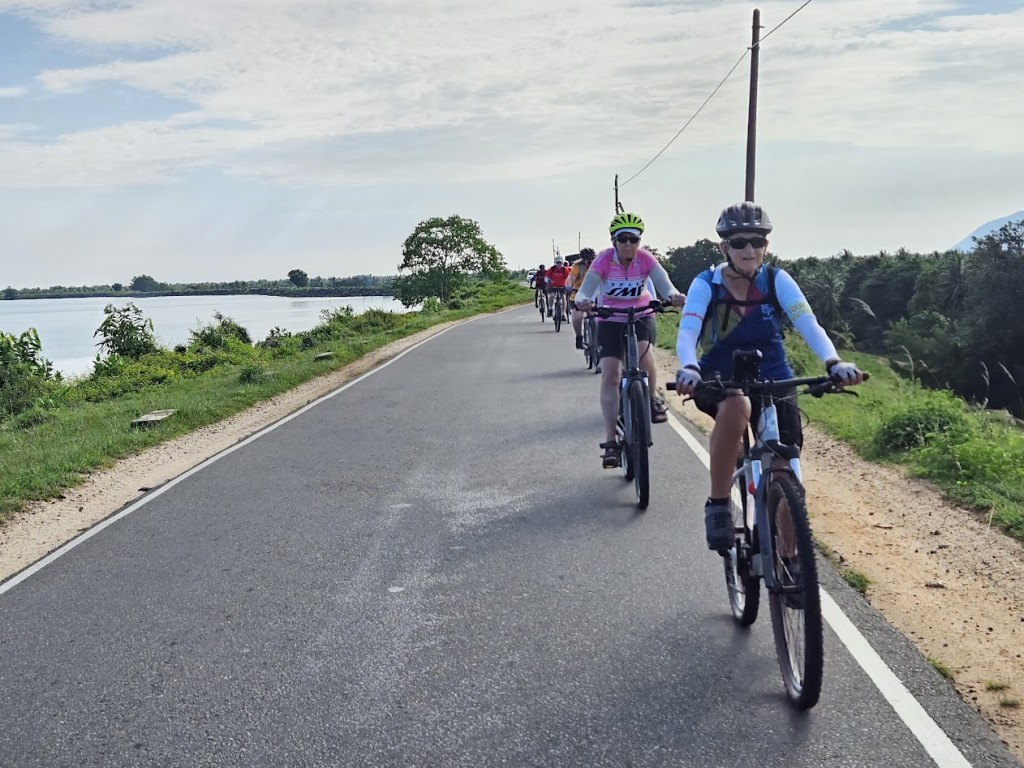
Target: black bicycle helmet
(743, 217)
(587, 253)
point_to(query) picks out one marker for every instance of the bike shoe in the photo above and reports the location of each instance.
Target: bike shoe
(718, 526)
(659, 414)
(612, 455)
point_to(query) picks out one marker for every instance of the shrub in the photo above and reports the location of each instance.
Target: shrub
(217, 335)
(252, 373)
(25, 376)
(125, 332)
(940, 418)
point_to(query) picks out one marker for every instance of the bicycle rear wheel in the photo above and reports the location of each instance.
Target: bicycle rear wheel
(795, 602)
(639, 404)
(744, 588)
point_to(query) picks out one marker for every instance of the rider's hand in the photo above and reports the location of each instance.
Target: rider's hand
(677, 299)
(584, 305)
(687, 380)
(847, 373)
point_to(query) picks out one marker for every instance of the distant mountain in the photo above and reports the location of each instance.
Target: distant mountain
(967, 244)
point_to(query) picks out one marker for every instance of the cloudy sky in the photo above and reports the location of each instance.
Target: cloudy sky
(237, 139)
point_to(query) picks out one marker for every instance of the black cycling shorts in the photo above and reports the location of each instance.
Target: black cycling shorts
(611, 336)
(791, 431)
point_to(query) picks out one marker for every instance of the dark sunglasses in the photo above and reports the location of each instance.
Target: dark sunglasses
(740, 243)
(627, 239)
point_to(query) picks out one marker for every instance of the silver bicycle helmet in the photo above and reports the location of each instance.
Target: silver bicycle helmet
(743, 217)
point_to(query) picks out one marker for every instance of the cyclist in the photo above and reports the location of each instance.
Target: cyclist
(557, 276)
(740, 305)
(619, 277)
(539, 283)
(572, 286)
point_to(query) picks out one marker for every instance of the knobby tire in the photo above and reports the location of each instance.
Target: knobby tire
(641, 412)
(798, 630)
(744, 589)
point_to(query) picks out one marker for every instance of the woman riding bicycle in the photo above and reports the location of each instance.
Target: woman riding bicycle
(620, 274)
(739, 305)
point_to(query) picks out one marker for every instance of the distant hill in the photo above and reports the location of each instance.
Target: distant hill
(967, 244)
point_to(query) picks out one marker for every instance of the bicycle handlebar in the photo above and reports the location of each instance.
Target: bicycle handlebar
(816, 386)
(653, 306)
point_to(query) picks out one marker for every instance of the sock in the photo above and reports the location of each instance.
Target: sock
(711, 501)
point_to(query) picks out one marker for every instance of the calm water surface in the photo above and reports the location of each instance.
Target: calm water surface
(66, 326)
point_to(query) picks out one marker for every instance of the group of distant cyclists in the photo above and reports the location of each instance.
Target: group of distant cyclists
(740, 304)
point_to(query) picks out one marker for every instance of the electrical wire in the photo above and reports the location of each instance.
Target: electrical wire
(716, 90)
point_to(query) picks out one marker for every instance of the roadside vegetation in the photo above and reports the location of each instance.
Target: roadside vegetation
(53, 431)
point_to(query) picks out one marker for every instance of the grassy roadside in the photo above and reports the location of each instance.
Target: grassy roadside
(976, 457)
(86, 426)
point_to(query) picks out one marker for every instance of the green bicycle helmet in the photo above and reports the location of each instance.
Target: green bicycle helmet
(626, 220)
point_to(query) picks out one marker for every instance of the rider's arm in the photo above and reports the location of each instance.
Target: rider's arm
(698, 298)
(662, 282)
(591, 284)
(792, 300)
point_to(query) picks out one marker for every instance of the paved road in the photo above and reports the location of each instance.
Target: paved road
(430, 568)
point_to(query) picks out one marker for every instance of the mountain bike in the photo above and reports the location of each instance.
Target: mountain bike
(634, 423)
(558, 309)
(773, 538)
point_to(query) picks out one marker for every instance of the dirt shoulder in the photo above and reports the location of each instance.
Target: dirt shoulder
(938, 572)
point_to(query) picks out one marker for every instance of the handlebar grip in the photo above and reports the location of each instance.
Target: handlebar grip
(670, 385)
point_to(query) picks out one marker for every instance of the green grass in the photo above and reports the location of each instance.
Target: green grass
(78, 430)
(855, 579)
(995, 685)
(941, 668)
(1009, 702)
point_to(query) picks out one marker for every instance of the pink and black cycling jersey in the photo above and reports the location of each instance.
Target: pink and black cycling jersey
(623, 287)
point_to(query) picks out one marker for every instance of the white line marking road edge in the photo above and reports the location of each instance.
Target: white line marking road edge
(63, 550)
(934, 740)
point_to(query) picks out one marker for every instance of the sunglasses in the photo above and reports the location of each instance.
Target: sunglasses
(633, 239)
(739, 243)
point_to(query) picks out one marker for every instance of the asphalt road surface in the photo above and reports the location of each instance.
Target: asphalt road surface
(430, 568)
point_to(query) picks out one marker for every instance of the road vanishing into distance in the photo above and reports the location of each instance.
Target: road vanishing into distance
(430, 568)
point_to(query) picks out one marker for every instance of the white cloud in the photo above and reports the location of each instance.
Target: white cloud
(12, 92)
(523, 90)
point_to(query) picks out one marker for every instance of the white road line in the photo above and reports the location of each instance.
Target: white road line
(934, 740)
(45, 561)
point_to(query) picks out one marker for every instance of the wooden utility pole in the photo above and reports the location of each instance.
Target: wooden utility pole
(618, 205)
(755, 55)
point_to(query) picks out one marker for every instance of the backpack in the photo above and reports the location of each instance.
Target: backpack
(720, 295)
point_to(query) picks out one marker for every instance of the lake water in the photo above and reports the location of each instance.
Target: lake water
(66, 326)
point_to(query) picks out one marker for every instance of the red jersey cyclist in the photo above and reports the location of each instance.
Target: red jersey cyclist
(556, 277)
(619, 276)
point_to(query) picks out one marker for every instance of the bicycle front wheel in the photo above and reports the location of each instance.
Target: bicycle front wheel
(744, 588)
(542, 305)
(622, 433)
(640, 438)
(795, 601)
(558, 314)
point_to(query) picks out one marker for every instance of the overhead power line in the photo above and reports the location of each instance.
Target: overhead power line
(711, 96)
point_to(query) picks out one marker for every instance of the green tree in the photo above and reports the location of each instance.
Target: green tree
(299, 278)
(686, 262)
(117, 287)
(145, 284)
(10, 293)
(439, 256)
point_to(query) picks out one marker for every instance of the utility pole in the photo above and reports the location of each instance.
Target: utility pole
(755, 55)
(618, 205)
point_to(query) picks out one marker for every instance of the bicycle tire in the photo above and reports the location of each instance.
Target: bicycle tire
(796, 610)
(744, 589)
(626, 456)
(641, 412)
(557, 314)
(542, 303)
(588, 344)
